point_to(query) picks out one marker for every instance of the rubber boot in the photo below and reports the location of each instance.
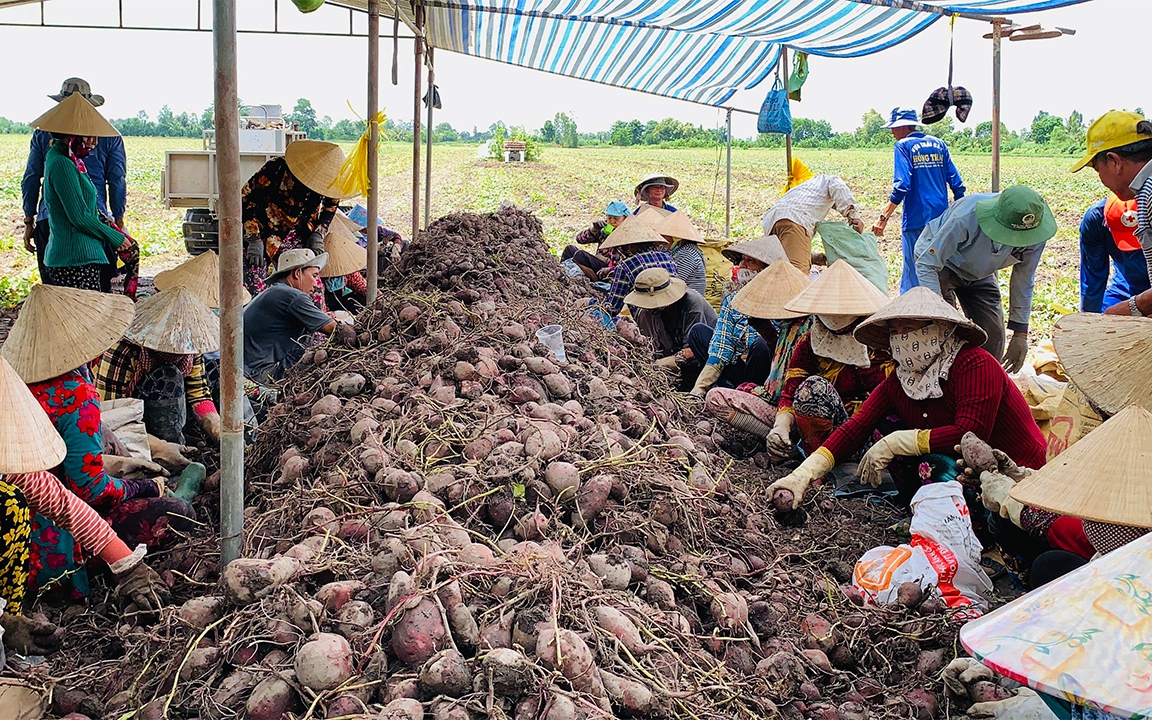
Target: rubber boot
(188, 487)
(749, 424)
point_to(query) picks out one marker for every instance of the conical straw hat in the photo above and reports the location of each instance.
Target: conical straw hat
(61, 328)
(766, 249)
(651, 215)
(678, 225)
(633, 231)
(31, 443)
(764, 295)
(919, 303)
(347, 222)
(345, 256)
(201, 275)
(175, 322)
(74, 115)
(840, 290)
(1103, 477)
(316, 164)
(1107, 356)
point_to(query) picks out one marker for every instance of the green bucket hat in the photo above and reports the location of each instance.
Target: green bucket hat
(1017, 217)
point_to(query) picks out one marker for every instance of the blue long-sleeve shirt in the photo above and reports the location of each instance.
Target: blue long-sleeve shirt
(922, 173)
(107, 167)
(1098, 254)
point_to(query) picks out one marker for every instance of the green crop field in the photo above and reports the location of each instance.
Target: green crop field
(568, 189)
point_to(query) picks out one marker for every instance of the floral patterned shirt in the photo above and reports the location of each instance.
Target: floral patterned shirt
(275, 204)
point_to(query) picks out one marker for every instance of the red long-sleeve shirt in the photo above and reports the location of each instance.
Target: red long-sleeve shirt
(851, 382)
(978, 396)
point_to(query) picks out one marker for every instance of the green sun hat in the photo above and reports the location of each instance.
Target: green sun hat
(1018, 217)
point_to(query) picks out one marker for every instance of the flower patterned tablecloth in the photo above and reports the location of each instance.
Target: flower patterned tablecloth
(1086, 637)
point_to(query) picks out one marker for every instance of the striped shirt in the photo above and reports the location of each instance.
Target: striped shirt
(690, 268)
(47, 496)
(1142, 186)
(809, 202)
(625, 272)
(731, 336)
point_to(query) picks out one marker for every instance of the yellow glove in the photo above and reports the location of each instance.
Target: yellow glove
(995, 493)
(815, 466)
(905, 443)
(780, 438)
(707, 378)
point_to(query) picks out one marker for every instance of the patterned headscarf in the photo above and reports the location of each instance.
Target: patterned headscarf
(924, 357)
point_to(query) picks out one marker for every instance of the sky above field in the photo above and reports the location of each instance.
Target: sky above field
(1092, 72)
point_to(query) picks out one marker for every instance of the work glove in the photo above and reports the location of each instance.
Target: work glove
(1016, 352)
(130, 467)
(1025, 705)
(904, 443)
(315, 243)
(395, 252)
(211, 425)
(26, 636)
(815, 466)
(856, 224)
(254, 255)
(1004, 465)
(995, 490)
(963, 672)
(139, 585)
(779, 438)
(707, 378)
(170, 455)
(668, 363)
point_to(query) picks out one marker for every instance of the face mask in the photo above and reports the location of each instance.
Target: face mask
(836, 323)
(79, 147)
(916, 350)
(743, 276)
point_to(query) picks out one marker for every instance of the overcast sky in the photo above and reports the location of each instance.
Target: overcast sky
(1100, 68)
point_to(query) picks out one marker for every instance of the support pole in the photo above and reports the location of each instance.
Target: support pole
(996, 34)
(728, 178)
(227, 116)
(788, 137)
(428, 152)
(373, 154)
(418, 46)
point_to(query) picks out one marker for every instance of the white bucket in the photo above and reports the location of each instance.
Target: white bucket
(552, 337)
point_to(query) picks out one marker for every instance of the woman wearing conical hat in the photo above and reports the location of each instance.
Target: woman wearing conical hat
(944, 385)
(58, 334)
(830, 373)
(160, 360)
(289, 203)
(655, 190)
(685, 242)
(30, 446)
(638, 247)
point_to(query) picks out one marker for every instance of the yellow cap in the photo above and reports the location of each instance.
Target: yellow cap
(1113, 129)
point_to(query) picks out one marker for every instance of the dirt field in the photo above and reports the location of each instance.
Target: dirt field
(568, 188)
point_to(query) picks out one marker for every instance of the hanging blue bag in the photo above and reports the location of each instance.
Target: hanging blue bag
(775, 116)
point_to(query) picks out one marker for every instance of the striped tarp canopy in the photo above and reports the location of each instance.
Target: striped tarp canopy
(703, 52)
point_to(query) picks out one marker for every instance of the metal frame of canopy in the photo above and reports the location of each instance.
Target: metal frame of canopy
(224, 31)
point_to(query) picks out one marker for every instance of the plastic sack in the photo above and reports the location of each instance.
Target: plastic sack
(943, 554)
(571, 268)
(775, 115)
(353, 179)
(859, 250)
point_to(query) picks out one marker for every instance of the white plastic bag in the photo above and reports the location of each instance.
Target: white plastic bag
(882, 570)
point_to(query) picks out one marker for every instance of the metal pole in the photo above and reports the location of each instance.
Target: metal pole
(428, 152)
(728, 179)
(418, 46)
(996, 28)
(373, 156)
(787, 138)
(227, 117)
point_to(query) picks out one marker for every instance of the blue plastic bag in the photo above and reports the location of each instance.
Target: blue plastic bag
(775, 115)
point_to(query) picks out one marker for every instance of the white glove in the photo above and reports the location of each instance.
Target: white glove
(964, 671)
(995, 490)
(668, 363)
(707, 378)
(815, 466)
(780, 437)
(1025, 705)
(905, 443)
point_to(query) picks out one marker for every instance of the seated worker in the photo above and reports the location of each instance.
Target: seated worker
(685, 241)
(594, 263)
(736, 353)
(639, 248)
(280, 322)
(752, 408)
(828, 375)
(944, 385)
(29, 448)
(666, 310)
(655, 191)
(160, 360)
(343, 278)
(57, 335)
(1108, 238)
(794, 216)
(960, 252)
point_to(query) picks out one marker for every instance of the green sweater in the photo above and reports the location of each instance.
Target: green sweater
(75, 228)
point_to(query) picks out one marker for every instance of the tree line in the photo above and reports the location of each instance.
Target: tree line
(1046, 134)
